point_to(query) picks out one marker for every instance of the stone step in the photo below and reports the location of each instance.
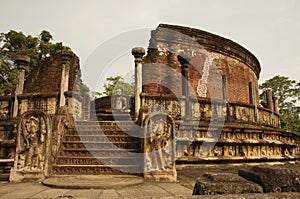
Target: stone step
(99, 148)
(100, 145)
(94, 169)
(108, 129)
(104, 132)
(94, 123)
(94, 138)
(98, 142)
(113, 117)
(111, 133)
(124, 160)
(96, 153)
(101, 124)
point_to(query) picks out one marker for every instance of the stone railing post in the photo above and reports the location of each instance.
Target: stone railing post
(138, 54)
(269, 97)
(252, 94)
(21, 61)
(276, 105)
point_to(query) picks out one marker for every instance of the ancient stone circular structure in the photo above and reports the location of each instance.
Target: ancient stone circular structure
(196, 101)
(223, 84)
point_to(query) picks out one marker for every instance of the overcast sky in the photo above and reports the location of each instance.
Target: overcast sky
(270, 29)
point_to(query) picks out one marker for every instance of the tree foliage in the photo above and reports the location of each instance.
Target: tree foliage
(15, 43)
(113, 83)
(288, 93)
(85, 90)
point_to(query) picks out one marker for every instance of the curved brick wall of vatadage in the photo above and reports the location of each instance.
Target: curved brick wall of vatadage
(237, 65)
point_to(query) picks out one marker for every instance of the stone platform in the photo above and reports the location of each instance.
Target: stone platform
(146, 190)
(134, 187)
(92, 181)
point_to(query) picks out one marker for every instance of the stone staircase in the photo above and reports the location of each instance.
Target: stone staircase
(100, 147)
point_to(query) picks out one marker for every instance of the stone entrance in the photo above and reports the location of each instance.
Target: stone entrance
(99, 148)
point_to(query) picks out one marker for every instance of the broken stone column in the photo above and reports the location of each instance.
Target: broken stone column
(269, 97)
(252, 92)
(276, 105)
(138, 54)
(64, 85)
(21, 61)
(225, 87)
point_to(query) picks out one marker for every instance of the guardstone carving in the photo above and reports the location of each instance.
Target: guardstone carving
(159, 148)
(32, 147)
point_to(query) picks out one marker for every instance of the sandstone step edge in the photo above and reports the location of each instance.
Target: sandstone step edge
(92, 181)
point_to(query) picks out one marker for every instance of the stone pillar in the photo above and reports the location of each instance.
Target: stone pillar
(64, 85)
(269, 97)
(252, 93)
(138, 54)
(252, 96)
(276, 105)
(21, 61)
(184, 62)
(224, 87)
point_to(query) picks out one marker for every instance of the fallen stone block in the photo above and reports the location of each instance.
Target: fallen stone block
(224, 183)
(273, 178)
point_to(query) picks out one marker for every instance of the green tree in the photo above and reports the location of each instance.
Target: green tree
(113, 83)
(288, 93)
(15, 43)
(85, 90)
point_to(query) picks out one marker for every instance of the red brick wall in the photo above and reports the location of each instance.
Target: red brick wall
(239, 75)
(45, 77)
(161, 68)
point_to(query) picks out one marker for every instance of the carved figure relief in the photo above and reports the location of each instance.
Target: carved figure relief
(231, 151)
(254, 151)
(243, 151)
(159, 148)
(217, 151)
(31, 147)
(4, 109)
(172, 107)
(263, 151)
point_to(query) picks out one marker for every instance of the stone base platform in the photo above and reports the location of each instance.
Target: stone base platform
(92, 181)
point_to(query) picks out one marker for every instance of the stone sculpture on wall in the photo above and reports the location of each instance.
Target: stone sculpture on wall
(4, 109)
(32, 147)
(33, 135)
(159, 148)
(119, 102)
(160, 135)
(61, 122)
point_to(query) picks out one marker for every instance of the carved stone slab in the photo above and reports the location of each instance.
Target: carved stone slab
(159, 148)
(32, 147)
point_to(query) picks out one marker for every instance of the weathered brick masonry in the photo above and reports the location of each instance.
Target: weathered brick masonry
(238, 65)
